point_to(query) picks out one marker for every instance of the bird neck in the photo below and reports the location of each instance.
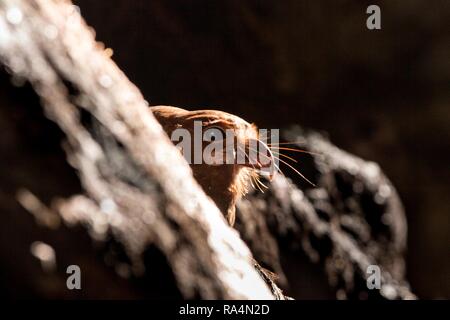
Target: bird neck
(218, 182)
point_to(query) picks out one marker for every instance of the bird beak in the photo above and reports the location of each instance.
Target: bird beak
(260, 157)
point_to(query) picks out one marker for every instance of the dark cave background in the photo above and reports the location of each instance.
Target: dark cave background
(383, 95)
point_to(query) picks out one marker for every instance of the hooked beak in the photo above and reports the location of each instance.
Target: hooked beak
(260, 157)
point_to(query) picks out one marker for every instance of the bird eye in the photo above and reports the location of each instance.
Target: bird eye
(214, 133)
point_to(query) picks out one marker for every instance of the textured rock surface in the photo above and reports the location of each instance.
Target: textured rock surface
(350, 219)
(136, 186)
(377, 96)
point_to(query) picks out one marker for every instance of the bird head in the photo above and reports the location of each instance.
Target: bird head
(228, 157)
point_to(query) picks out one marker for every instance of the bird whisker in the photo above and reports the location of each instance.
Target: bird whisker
(280, 143)
(274, 163)
(290, 166)
(283, 155)
(296, 171)
(262, 184)
(294, 150)
(251, 177)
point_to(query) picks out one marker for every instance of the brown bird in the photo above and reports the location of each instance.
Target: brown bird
(226, 181)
